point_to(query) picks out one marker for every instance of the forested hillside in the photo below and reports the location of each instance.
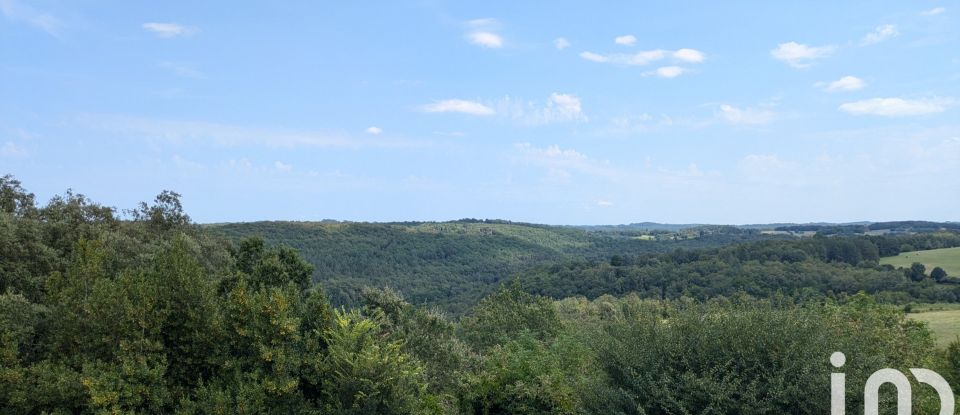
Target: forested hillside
(452, 264)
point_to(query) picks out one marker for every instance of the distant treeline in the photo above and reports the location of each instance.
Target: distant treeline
(899, 226)
(803, 269)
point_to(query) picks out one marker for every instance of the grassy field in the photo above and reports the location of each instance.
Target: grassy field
(944, 323)
(947, 258)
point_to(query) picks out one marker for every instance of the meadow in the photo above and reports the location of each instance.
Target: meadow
(942, 319)
(946, 258)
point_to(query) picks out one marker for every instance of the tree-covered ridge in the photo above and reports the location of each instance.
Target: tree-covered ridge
(450, 264)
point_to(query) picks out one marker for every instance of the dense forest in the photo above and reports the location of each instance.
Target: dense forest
(451, 265)
(142, 311)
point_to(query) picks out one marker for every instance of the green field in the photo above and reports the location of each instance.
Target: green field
(947, 258)
(945, 323)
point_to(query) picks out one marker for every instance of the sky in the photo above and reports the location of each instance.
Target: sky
(549, 112)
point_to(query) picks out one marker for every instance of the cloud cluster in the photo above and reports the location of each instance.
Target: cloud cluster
(558, 107)
(647, 57)
(561, 163)
(561, 43)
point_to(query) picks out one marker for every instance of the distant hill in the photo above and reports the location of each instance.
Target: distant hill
(453, 264)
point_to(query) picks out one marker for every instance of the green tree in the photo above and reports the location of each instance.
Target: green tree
(917, 271)
(508, 312)
(938, 274)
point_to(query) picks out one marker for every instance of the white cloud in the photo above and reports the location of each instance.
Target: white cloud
(896, 107)
(604, 203)
(374, 130)
(14, 11)
(207, 133)
(799, 55)
(933, 12)
(559, 107)
(486, 39)
(880, 34)
(847, 83)
(745, 116)
(183, 70)
(11, 149)
(645, 57)
(563, 107)
(483, 33)
(458, 105)
(561, 43)
(638, 124)
(559, 162)
(484, 23)
(590, 56)
(169, 30)
(689, 55)
(626, 40)
(281, 166)
(667, 72)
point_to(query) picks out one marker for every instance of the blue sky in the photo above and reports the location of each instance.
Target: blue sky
(548, 112)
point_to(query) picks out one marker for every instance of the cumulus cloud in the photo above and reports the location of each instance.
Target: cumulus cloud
(168, 30)
(689, 55)
(799, 55)
(666, 72)
(483, 33)
(880, 34)
(896, 107)
(458, 105)
(847, 83)
(561, 43)
(645, 57)
(933, 12)
(281, 166)
(626, 40)
(745, 116)
(486, 39)
(604, 203)
(374, 130)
